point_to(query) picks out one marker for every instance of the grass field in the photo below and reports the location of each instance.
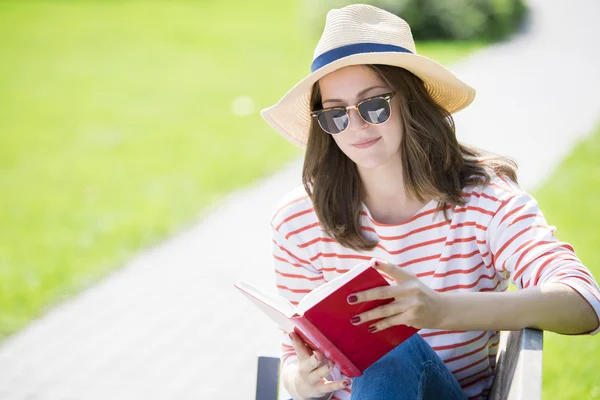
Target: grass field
(119, 125)
(570, 200)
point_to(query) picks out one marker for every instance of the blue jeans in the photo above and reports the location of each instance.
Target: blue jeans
(412, 370)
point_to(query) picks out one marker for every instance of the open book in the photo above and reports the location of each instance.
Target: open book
(322, 319)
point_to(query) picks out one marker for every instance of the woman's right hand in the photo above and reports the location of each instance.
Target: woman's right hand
(313, 372)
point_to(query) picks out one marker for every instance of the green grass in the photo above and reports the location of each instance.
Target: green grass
(570, 200)
(117, 130)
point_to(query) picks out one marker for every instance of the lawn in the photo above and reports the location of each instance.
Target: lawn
(570, 200)
(120, 122)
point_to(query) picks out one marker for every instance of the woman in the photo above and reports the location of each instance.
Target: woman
(447, 225)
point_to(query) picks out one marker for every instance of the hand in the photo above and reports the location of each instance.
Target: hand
(415, 304)
(313, 367)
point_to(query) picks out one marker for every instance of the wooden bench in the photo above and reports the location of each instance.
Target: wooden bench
(518, 369)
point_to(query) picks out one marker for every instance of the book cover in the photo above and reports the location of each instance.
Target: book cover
(322, 319)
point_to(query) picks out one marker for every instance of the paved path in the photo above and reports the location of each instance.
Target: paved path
(170, 326)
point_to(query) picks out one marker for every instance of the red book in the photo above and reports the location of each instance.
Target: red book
(322, 319)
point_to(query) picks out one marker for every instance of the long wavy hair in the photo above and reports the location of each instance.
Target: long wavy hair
(434, 164)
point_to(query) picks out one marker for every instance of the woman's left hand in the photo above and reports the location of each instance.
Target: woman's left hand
(415, 304)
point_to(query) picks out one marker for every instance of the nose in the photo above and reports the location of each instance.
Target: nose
(356, 122)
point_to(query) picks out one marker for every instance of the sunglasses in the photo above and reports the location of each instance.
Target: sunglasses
(374, 110)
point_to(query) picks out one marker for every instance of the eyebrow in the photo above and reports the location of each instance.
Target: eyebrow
(358, 95)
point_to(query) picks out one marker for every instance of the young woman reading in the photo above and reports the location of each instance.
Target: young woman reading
(385, 180)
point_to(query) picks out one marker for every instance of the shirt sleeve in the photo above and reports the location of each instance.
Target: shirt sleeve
(295, 276)
(525, 250)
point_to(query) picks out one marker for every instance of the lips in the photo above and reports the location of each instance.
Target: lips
(366, 143)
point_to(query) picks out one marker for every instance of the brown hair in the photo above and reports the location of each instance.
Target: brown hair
(434, 163)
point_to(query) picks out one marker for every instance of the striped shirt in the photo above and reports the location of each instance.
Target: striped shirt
(499, 236)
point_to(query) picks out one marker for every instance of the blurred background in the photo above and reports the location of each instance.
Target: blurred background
(137, 176)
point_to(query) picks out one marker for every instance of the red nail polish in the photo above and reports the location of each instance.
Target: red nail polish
(346, 383)
(352, 299)
(372, 329)
(376, 263)
(355, 319)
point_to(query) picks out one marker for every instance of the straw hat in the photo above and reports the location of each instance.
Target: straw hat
(363, 34)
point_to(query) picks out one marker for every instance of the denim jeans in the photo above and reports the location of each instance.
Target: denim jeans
(412, 370)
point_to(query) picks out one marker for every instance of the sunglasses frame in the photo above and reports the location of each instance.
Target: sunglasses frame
(386, 96)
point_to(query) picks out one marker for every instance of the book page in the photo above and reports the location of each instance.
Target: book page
(275, 307)
(318, 294)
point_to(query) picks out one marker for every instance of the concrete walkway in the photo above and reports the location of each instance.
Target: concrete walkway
(170, 326)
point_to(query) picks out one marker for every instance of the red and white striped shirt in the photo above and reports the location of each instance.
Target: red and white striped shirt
(500, 235)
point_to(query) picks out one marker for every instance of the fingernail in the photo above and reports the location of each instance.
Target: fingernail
(372, 329)
(376, 263)
(355, 319)
(346, 383)
(318, 357)
(329, 365)
(352, 299)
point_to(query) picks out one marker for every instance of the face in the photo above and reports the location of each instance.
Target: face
(369, 146)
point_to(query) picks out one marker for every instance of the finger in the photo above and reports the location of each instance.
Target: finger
(308, 365)
(308, 359)
(317, 374)
(332, 386)
(399, 274)
(404, 318)
(404, 289)
(380, 312)
(302, 350)
(319, 356)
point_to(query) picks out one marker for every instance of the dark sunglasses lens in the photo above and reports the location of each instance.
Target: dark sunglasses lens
(375, 111)
(333, 121)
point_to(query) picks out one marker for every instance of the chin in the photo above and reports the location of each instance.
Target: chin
(371, 162)
(369, 165)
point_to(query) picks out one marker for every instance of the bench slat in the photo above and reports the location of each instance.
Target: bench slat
(267, 382)
(519, 366)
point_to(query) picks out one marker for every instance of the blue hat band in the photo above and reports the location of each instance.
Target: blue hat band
(351, 49)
